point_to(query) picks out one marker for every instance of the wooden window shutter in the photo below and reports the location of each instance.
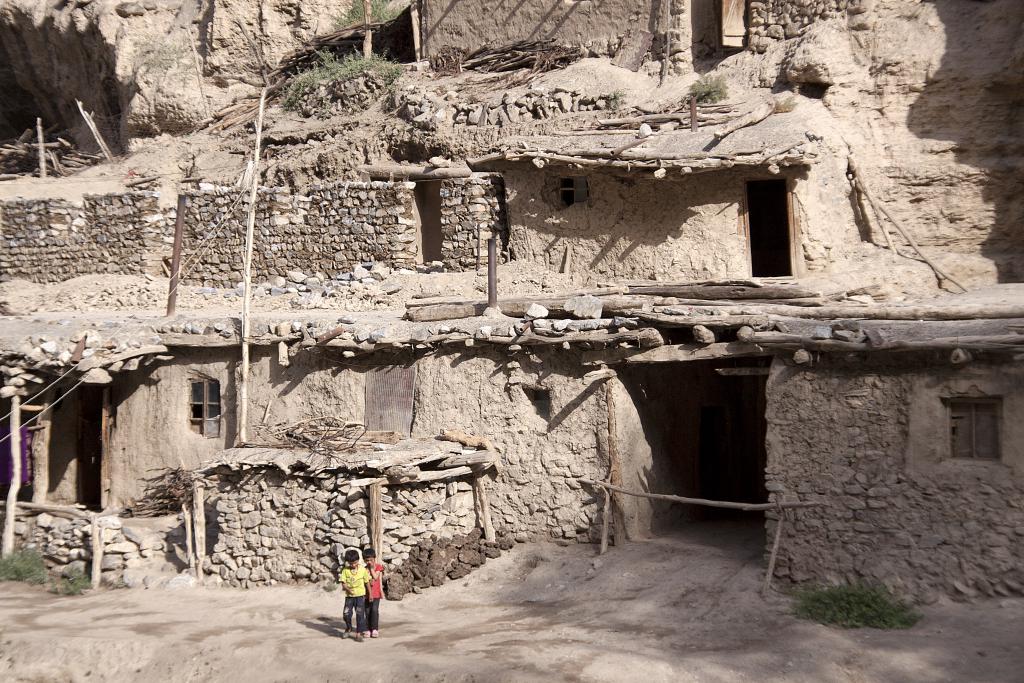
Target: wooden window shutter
(388, 398)
(733, 22)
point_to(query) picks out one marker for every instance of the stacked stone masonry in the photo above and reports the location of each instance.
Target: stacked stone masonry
(331, 229)
(771, 20)
(50, 240)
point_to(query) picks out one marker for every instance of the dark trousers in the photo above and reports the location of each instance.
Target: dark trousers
(373, 613)
(358, 605)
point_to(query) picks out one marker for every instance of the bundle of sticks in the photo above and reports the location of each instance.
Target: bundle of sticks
(20, 157)
(707, 115)
(165, 493)
(326, 436)
(536, 55)
(447, 61)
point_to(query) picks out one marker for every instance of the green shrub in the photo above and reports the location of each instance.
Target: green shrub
(710, 89)
(855, 606)
(72, 584)
(330, 69)
(380, 10)
(23, 565)
(616, 100)
(785, 105)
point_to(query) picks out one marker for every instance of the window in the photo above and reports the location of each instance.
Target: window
(205, 403)
(541, 400)
(974, 427)
(574, 190)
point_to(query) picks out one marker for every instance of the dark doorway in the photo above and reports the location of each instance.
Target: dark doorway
(428, 209)
(769, 228)
(89, 459)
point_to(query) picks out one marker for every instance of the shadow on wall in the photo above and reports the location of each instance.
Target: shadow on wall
(51, 68)
(975, 100)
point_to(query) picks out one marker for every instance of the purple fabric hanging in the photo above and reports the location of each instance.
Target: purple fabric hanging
(6, 471)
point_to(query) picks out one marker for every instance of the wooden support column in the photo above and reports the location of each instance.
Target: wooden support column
(97, 551)
(7, 546)
(614, 469)
(605, 515)
(376, 511)
(42, 147)
(95, 132)
(368, 36)
(106, 464)
(199, 522)
(179, 236)
(483, 504)
(186, 519)
(414, 14)
(775, 553)
(41, 451)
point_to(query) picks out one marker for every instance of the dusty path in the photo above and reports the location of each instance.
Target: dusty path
(678, 609)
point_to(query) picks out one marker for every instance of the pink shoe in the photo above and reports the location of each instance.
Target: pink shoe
(375, 634)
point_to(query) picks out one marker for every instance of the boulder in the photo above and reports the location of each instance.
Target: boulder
(585, 307)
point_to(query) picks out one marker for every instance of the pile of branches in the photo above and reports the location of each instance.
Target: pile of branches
(448, 60)
(325, 437)
(536, 55)
(166, 493)
(21, 157)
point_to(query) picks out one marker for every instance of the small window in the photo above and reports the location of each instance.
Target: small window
(574, 190)
(974, 428)
(205, 406)
(541, 400)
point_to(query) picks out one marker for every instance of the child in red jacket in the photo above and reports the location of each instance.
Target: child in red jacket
(376, 592)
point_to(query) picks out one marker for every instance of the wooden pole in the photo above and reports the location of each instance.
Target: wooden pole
(483, 505)
(12, 494)
(703, 501)
(97, 551)
(95, 132)
(376, 512)
(368, 37)
(243, 380)
(775, 552)
(199, 523)
(414, 14)
(41, 452)
(667, 23)
(694, 124)
(42, 147)
(179, 236)
(186, 519)
(607, 510)
(614, 471)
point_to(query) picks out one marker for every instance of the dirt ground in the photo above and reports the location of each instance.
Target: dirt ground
(680, 608)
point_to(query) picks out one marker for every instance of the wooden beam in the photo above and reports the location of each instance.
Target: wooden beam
(614, 469)
(395, 171)
(179, 236)
(250, 226)
(483, 505)
(368, 34)
(686, 352)
(41, 451)
(743, 372)
(703, 501)
(14, 448)
(95, 132)
(375, 509)
(186, 520)
(775, 553)
(42, 147)
(96, 538)
(199, 523)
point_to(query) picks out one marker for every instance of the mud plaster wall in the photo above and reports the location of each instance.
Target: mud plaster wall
(50, 240)
(641, 227)
(472, 24)
(535, 495)
(870, 439)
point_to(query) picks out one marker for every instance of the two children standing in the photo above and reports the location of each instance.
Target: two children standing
(364, 589)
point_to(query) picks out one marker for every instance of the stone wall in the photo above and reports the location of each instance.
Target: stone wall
(898, 508)
(429, 110)
(50, 240)
(275, 528)
(770, 20)
(471, 206)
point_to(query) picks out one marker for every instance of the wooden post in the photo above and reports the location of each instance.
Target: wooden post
(186, 519)
(12, 494)
(199, 522)
(376, 511)
(483, 505)
(667, 4)
(693, 113)
(414, 14)
(179, 236)
(607, 511)
(243, 380)
(41, 452)
(368, 37)
(775, 552)
(97, 551)
(95, 132)
(42, 147)
(614, 472)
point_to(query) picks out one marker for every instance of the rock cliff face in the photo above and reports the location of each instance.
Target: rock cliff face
(143, 68)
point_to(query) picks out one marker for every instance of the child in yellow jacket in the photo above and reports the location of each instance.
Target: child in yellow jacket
(354, 580)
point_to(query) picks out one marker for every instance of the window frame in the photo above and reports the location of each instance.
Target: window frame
(570, 189)
(201, 425)
(960, 402)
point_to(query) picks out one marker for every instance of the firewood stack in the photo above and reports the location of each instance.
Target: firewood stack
(20, 157)
(536, 55)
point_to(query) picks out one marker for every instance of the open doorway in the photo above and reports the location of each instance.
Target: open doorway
(428, 212)
(769, 229)
(703, 436)
(91, 441)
